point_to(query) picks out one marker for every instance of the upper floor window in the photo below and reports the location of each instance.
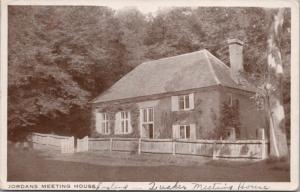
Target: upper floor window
(229, 96)
(182, 102)
(102, 123)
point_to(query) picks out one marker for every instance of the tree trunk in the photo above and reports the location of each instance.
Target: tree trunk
(278, 140)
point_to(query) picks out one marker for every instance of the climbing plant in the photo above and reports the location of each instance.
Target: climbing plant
(230, 117)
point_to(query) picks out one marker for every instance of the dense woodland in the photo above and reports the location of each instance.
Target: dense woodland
(60, 58)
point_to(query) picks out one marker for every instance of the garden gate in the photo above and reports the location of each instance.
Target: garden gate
(67, 145)
(82, 144)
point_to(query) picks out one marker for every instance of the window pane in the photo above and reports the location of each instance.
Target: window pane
(187, 102)
(181, 133)
(103, 127)
(187, 131)
(107, 127)
(145, 115)
(122, 126)
(126, 126)
(122, 115)
(150, 113)
(181, 102)
(126, 114)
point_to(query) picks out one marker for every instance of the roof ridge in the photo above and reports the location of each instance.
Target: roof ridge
(199, 51)
(211, 68)
(218, 60)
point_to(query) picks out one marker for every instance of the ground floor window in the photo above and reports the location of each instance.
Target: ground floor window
(125, 122)
(147, 122)
(184, 131)
(102, 123)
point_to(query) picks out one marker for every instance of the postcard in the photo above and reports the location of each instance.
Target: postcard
(149, 95)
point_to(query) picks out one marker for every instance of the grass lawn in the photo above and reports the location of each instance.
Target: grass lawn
(31, 165)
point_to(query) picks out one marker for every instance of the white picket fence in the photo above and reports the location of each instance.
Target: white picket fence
(82, 144)
(217, 149)
(48, 141)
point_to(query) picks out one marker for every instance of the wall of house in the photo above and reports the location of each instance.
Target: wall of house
(205, 114)
(250, 117)
(111, 109)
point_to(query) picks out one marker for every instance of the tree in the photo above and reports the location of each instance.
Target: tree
(59, 58)
(272, 88)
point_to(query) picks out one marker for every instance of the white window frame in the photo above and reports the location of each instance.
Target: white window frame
(186, 102)
(103, 123)
(230, 104)
(185, 131)
(147, 121)
(124, 121)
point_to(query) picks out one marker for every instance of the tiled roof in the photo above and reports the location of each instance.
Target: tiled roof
(183, 72)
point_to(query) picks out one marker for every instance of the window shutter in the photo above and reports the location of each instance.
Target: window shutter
(98, 122)
(174, 103)
(118, 122)
(129, 122)
(193, 131)
(191, 99)
(175, 131)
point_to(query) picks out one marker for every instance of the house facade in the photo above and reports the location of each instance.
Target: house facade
(180, 97)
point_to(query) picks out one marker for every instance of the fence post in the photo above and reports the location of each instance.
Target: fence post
(47, 140)
(214, 151)
(263, 149)
(263, 144)
(173, 146)
(87, 143)
(110, 144)
(139, 146)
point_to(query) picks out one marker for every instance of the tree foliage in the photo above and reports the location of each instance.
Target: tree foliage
(62, 57)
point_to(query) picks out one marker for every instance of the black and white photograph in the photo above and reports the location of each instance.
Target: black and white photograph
(151, 93)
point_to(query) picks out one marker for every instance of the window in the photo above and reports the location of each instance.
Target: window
(102, 123)
(184, 132)
(229, 100)
(125, 122)
(184, 102)
(229, 134)
(147, 123)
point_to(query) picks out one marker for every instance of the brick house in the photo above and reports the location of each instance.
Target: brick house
(179, 97)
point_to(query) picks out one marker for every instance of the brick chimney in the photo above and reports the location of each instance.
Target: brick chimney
(236, 58)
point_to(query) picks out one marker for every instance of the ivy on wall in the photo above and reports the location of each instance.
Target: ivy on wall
(112, 109)
(230, 117)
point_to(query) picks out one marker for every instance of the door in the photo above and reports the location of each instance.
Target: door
(150, 128)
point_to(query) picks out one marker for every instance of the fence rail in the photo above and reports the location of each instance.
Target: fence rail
(45, 141)
(218, 149)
